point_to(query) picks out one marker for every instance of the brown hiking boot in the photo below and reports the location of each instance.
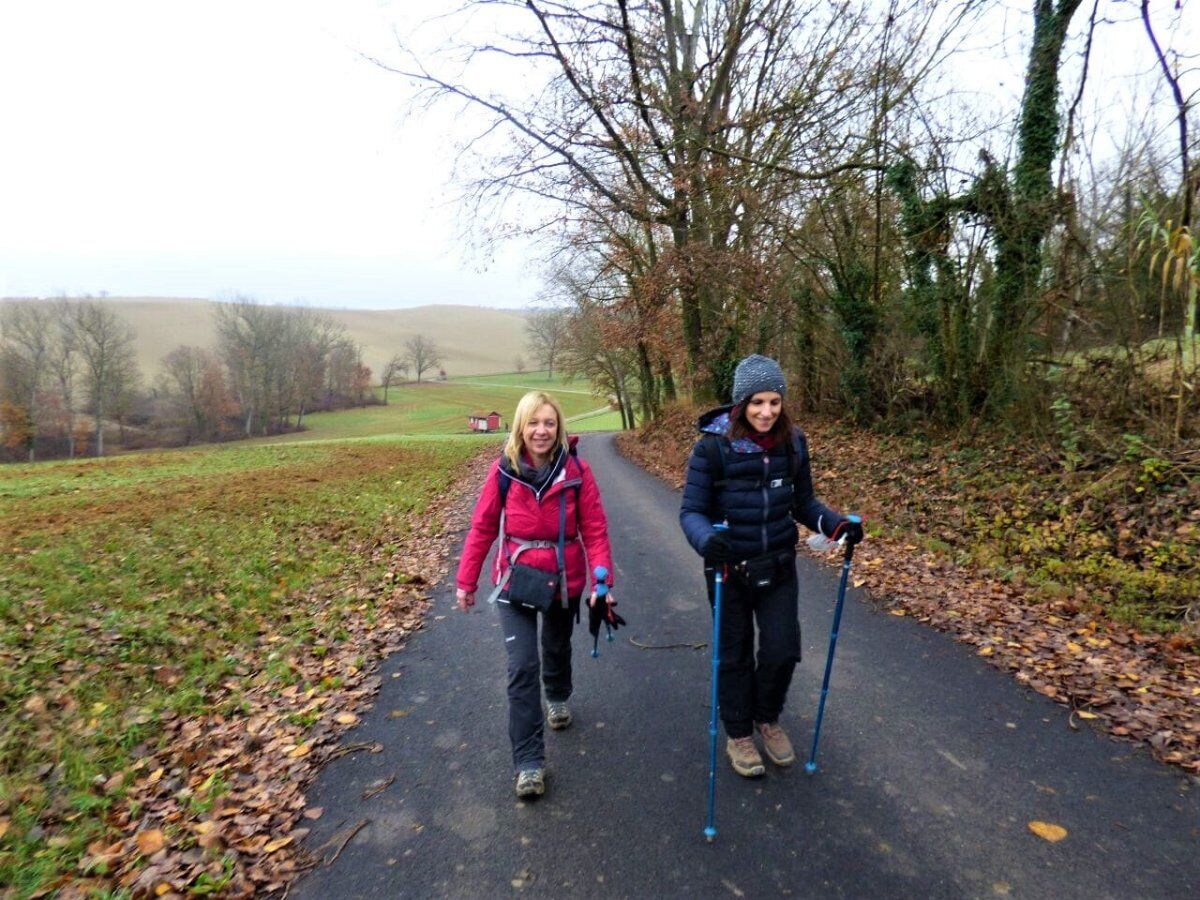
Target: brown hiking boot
(776, 743)
(745, 757)
(531, 782)
(558, 714)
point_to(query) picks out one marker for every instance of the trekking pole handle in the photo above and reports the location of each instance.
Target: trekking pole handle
(719, 571)
(857, 520)
(600, 581)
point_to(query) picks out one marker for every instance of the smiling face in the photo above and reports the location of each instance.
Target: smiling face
(540, 433)
(762, 410)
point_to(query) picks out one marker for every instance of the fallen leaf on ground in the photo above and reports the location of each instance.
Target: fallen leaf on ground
(150, 842)
(278, 844)
(1048, 831)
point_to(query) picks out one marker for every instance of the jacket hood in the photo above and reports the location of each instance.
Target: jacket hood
(715, 421)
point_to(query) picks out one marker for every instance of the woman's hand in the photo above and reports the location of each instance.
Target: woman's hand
(608, 596)
(466, 599)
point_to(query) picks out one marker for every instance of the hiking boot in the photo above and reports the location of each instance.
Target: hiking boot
(776, 743)
(531, 782)
(558, 715)
(745, 757)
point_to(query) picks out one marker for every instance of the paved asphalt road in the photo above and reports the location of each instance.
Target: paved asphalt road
(932, 764)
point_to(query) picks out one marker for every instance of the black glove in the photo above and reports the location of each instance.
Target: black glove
(717, 549)
(603, 611)
(850, 530)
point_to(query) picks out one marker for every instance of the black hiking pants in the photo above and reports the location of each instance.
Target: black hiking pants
(753, 687)
(528, 671)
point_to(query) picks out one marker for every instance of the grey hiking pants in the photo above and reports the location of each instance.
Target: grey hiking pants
(525, 670)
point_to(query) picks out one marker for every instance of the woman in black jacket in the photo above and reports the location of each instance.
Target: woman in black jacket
(751, 471)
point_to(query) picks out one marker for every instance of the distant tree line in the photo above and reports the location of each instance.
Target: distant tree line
(69, 378)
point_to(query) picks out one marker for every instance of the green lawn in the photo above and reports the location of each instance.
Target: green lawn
(115, 567)
(434, 408)
(530, 381)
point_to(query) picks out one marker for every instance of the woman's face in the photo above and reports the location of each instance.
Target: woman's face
(762, 409)
(541, 432)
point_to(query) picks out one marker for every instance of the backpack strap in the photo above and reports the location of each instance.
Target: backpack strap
(714, 452)
(793, 456)
(505, 483)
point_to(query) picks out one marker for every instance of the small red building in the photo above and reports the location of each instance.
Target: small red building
(484, 421)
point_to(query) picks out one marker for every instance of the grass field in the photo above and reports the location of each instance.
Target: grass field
(442, 407)
(191, 559)
(538, 380)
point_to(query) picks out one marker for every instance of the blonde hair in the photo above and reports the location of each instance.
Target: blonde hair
(526, 407)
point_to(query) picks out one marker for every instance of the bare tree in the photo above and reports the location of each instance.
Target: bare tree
(1183, 238)
(194, 384)
(544, 332)
(243, 335)
(422, 354)
(64, 365)
(693, 119)
(27, 332)
(106, 347)
(345, 358)
(395, 369)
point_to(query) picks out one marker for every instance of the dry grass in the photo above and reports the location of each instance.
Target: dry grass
(473, 340)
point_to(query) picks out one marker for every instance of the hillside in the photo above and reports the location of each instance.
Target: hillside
(474, 340)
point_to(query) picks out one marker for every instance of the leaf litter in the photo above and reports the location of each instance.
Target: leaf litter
(216, 804)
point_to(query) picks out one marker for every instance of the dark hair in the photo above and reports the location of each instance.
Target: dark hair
(740, 427)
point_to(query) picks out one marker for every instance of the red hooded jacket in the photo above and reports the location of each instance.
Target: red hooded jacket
(531, 517)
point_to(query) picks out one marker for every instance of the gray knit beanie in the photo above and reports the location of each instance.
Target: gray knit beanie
(757, 373)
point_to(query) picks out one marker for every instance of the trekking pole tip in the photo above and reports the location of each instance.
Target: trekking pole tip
(810, 767)
(710, 834)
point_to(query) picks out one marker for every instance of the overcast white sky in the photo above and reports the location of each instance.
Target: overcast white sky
(198, 149)
(205, 148)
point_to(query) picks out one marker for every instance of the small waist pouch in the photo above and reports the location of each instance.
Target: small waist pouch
(762, 571)
(530, 586)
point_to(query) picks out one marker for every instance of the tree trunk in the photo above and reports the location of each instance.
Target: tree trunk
(1021, 231)
(668, 382)
(650, 402)
(99, 427)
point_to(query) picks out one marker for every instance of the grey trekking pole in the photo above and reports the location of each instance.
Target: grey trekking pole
(710, 828)
(811, 765)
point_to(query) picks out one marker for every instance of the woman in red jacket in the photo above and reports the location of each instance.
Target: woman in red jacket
(547, 503)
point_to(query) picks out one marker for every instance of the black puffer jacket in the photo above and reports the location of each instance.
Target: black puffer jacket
(757, 496)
